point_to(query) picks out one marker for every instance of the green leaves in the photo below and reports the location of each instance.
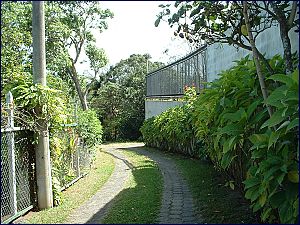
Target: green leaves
(97, 57)
(231, 129)
(237, 116)
(89, 127)
(195, 11)
(227, 159)
(275, 119)
(258, 139)
(294, 123)
(228, 145)
(286, 79)
(251, 182)
(273, 138)
(157, 21)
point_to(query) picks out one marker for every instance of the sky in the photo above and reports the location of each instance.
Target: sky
(132, 31)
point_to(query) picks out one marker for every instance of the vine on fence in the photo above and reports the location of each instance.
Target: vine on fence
(64, 141)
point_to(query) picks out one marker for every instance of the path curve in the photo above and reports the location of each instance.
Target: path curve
(177, 203)
(101, 202)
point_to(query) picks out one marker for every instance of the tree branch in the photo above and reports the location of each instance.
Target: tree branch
(291, 18)
(256, 56)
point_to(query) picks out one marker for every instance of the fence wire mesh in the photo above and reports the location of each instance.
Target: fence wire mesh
(70, 157)
(171, 79)
(6, 209)
(24, 172)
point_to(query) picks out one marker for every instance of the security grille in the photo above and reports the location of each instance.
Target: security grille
(172, 79)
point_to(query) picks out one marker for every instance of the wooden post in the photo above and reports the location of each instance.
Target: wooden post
(11, 153)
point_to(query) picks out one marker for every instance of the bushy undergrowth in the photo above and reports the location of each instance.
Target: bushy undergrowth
(230, 124)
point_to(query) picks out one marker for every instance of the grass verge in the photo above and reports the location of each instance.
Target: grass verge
(215, 202)
(78, 193)
(140, 201)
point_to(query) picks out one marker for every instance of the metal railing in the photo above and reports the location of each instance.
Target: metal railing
(171, 80)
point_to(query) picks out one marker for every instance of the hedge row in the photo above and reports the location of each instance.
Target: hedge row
(229, 124)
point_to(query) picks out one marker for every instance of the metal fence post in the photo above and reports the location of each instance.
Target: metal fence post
(77, 157)
(11, 153)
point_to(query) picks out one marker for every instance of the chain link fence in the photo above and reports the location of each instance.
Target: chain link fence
(17, 174)
(70, 156)
(170, 80)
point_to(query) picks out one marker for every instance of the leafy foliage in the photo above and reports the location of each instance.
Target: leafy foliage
(272, 184)
(172, 130)
(89, 127)
(258, 153)
(67, 25)
(120, 99)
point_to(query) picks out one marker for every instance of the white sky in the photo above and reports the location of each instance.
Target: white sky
(132, 31)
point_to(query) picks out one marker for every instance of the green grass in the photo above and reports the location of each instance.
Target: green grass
(78, 193)
(216, 203)
(140, 201)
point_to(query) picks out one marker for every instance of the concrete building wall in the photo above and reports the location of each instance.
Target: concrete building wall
(156, 107)
(221, 56)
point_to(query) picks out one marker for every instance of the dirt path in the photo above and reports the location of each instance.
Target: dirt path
(177, 203)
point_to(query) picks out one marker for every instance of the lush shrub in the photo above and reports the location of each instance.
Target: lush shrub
(256, 152)
(273, 175)
(172, 130)
(89, 127)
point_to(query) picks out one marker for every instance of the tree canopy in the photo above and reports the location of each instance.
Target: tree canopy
(70, 28)
(223, 22)
(120, 98)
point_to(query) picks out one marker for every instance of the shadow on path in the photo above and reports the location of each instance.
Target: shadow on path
(132, 205)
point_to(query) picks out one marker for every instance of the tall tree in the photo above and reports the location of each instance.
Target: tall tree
(124, 113)
(15, 42)
(98, 60)
(69, 27)
(287, 20)
(80, 19)
(256, 56)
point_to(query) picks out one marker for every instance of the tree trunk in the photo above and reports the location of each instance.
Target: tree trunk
(284, 34)
(286, 47)
(256, 56)
(82, 98)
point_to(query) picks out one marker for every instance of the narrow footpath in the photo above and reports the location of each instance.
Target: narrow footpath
(96, 208)
(177, 203)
